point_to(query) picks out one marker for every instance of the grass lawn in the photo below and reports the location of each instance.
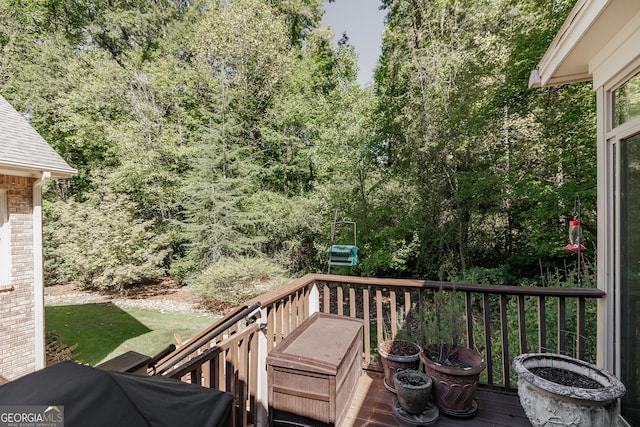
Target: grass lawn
(103, 331)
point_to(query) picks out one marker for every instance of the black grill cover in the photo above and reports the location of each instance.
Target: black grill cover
(93, 397)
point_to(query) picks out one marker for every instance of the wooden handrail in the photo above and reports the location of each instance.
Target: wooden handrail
(460, 287)
(159, 356)
(205, 338)
(207, 355)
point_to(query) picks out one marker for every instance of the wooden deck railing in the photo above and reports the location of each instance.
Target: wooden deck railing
(500, 321)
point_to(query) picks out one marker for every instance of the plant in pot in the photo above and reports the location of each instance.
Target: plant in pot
(413, 389)
(454, 368)
(560, 390)
(413, 405)
(397, 353)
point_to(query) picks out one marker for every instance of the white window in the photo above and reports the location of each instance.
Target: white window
(5, 247)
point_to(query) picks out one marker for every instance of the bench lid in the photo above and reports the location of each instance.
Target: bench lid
(319, 344)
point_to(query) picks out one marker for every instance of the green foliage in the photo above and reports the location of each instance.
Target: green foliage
(236, 129)
(301, 17)
(565, 277)
(231, 281)
(496, 165)
(494, 276)
(245, 41)
(441, 326)
(292, 228)
(100, 243)
(391, 255)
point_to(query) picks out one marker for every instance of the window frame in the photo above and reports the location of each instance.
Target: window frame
(609, 259)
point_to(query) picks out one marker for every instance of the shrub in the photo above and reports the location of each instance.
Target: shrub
(100, 243)
(231, 281)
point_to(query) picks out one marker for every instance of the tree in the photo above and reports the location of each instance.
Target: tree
(215, 223)
(452, 86)
(99, 243)
(245, 42)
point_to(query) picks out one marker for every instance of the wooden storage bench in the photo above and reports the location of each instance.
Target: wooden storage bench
(313, 372)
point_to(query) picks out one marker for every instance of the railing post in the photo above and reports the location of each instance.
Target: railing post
(314, 299)
(262, 394)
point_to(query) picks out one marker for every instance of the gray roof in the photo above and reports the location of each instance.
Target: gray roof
(23, 150)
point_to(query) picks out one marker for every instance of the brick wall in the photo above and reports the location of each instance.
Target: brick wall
(17, 319)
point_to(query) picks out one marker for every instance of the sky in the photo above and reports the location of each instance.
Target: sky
(363, 23)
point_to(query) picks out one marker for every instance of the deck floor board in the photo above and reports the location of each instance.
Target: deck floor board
(372, 406)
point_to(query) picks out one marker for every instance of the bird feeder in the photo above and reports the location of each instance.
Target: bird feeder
(575, 237)
(345, 255)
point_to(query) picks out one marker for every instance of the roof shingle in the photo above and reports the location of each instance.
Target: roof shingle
(23, 149)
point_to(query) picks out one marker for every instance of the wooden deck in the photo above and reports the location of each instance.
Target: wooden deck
(372, 406)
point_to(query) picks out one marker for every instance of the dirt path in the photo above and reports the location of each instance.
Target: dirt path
(163, 297)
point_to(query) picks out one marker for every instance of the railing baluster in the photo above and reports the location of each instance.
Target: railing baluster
(542, 324)
(222, 378)
(504, 328)
(214, 373)
(327, 298)
(270, 332)
(241, 355)
(295, 310)
(286, 317)
(299, 302)
(393, 313)
(487, 337)
(340, 298)
(581, 331)
(407, 302)
(379, 320)
(230, 371)
(367, 326)
(468, 305)
(352, 302)
(252, 386)
(302, 304)
(206, 375)
(562, 327)
(309, 293)
(279, 322)
(522, 324)
(196, 374)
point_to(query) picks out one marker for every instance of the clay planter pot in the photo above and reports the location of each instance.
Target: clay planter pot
(560, 390)
(395, 356)
(454, 388)
(413, 389)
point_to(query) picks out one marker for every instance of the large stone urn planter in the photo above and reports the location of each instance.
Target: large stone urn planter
(592, 401)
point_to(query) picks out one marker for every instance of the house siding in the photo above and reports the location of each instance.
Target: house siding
(17, 308)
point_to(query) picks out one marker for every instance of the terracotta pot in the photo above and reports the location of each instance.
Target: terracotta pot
(455, 388)
(393, 362)
(549, 403)
(413, 398)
